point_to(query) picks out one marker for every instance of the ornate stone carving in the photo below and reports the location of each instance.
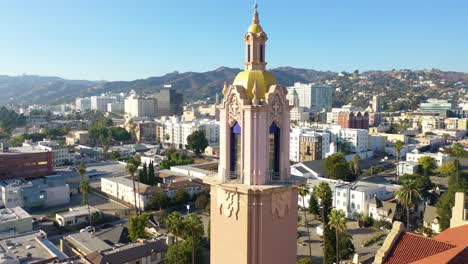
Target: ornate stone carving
(275, 110)
(280, 204)
(228, 202)
(234, 110)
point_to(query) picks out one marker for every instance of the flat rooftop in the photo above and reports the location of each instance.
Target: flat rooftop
(30, 247)
(12, 214)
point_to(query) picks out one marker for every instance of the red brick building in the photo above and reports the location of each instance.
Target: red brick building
(353, 120)
(28, 165)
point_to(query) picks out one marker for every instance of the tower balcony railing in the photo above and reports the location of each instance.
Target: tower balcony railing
(232, 177)
(235, 177)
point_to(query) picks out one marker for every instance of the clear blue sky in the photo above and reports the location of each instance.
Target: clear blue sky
(124, 40)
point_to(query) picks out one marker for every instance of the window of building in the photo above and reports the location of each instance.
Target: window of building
(274, 150)
(352, 196)
(261, 53)
(352, 205)
(248, 53)
(235, 161)
(358, 206)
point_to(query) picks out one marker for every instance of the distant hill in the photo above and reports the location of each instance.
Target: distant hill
(202, 85)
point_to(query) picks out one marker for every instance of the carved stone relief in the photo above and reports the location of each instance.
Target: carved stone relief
(228, 203)
(280, 204)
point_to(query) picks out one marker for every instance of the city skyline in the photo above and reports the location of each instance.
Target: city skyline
(124, 41)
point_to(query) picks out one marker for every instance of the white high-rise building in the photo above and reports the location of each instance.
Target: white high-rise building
(82, 104)
(312, 96)
(298, 113)
(99, 103)
(175, 132)
(136, 106)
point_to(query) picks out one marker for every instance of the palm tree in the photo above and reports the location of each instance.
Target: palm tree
(338, 222)
(356, 165)
(398, 147)
(458, 151)
(132, 167)
(408, 196)
(81, 169)
(84, 189)
(175, 225)
(323, 192)
(303, 192)
(194, 228)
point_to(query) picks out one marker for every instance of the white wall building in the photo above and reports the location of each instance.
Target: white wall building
(14, 221)
(357, 139)
(137, 106)
(175, 133)
(34, 193)
(311, 96)
(82, 104)
(355, 197)
(99, 103)
(439, 157)
(75, 216)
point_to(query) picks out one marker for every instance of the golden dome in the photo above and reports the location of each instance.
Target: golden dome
(255, 28)
(247, 79)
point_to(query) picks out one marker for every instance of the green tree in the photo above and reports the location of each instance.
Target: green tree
(132, 167)
(193, 229)
(356, 166)
(337, 167)
(151, 176)
(323, 192)
(458, 151)
(84, 189)
(314, 207)
(144, 179)
(181, 196)
(428, 164)
(159, 201)
(180, 253)
(337, 221)
(422, 183)
(197, 142)
(408, 196)
(398, 147)
(17, 141)
(120, 134)
(304, 261)
(303, 192)
(136, 226)
(447, 169)
(175, 225)
(81, 169)
(201, 201)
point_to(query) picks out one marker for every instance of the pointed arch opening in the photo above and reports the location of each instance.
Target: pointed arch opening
(235, 153)
(274, 155)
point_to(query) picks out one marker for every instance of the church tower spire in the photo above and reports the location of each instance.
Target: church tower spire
(253, 196)
(255, 40)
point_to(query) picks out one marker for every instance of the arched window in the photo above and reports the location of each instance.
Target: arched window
(235, 155)
(274, 151)
(261, 53)
(248, 53)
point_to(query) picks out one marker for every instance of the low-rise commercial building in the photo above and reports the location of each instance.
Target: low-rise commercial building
(14, 221)
(34, 193)
(26, 163)
(77, 137)
(439, 157)
(99, 249)
(76, 216)
(31, 247)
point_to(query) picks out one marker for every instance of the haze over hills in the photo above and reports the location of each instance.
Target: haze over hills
(199, 85)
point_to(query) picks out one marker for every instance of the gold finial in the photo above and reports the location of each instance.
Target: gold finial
(255, 19)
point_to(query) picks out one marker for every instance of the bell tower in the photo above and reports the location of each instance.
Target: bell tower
(253, 196)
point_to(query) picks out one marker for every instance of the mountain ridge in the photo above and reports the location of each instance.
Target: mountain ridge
(199, 85)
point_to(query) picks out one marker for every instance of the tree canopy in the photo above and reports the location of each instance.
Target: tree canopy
(197, 142)
(337, 167)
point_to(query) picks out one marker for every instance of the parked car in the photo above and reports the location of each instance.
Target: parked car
(86, 229)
